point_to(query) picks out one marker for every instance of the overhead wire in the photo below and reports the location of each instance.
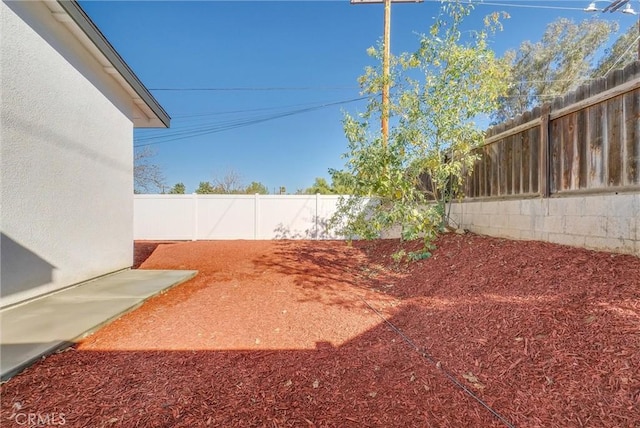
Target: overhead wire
(191, 121)
(259, 88)
(633, 44)
(231, 124)
(240, 121)
(528, 6)
(188, 131)
(272, 108)
(214, 113)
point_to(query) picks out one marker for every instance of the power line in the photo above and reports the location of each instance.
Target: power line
(633, 44)
(232, 123)
(528, 6)
(215, 113)
(219, 127)
(258, 88)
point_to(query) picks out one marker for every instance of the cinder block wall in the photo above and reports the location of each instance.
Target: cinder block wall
(609, 222)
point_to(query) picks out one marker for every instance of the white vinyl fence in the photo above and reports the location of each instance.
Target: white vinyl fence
(202, 217)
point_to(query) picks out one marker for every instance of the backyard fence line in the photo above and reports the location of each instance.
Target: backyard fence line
(584, 147)
(252, 217)
(585, 142)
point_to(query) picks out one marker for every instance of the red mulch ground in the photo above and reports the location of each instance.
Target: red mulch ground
(277, 334)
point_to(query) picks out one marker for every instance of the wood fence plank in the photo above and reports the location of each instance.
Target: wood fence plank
(486, 165)
(545, 152)
(632, 71)
(526, 162)
(555, 156)
(595, 137)
(476, 180)
(499, 147)
(581, 146)
(632, 137)
(508, 165)
(495, 170)
(614, 140)
(565, 124)
(534, 168)
(484, 175)
(516, 169)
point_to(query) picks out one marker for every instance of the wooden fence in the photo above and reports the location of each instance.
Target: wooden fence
(586, 141)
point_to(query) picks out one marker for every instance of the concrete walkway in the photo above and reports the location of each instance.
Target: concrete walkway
(44, 325)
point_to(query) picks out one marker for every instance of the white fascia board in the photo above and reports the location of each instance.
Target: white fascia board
(147, 111)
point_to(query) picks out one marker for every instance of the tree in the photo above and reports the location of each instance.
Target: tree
(436, 93)
(205, 188)
(624, 51)
(559, 62)
(256, 187)
(147, 176)
(341, 184)
(178, 189)
(229, 183)
(321, 186)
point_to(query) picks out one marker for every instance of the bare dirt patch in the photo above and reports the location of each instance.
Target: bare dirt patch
(283, 334)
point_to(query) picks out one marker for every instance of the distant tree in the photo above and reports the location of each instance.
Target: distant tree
(229, 183)
(205, 188)
(321, 186)
(559, 62)
(256, 187)
(147, 176)
(623, 52)
(342, 182)
(178, 189)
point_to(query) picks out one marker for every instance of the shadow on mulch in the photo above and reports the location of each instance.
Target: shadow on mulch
(547, 335)
(374, 380)
(142, 250)
(553, 328)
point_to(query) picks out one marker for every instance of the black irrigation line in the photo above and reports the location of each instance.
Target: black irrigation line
(447, 373)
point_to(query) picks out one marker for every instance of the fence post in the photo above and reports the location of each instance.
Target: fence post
(545, 163)
(194, 237)
(256, 216)
(316, 217)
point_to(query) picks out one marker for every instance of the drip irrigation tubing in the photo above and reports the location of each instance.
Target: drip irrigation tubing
(430, 358)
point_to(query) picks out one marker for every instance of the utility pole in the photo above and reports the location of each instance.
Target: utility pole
(386, 61)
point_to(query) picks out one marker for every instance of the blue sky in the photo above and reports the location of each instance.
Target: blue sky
(279, 75)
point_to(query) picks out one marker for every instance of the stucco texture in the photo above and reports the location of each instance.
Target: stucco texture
(66, 159)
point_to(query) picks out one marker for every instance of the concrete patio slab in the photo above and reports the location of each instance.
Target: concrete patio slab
(41, 326)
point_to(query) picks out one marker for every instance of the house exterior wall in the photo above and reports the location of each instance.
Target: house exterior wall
(66, 159)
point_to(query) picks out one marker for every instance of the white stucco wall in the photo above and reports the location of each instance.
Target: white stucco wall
(65, 159)
(608, 222)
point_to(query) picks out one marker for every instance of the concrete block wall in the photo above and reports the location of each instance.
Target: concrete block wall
(608, 222)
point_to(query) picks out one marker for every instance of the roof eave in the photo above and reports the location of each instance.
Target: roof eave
(82, 20)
